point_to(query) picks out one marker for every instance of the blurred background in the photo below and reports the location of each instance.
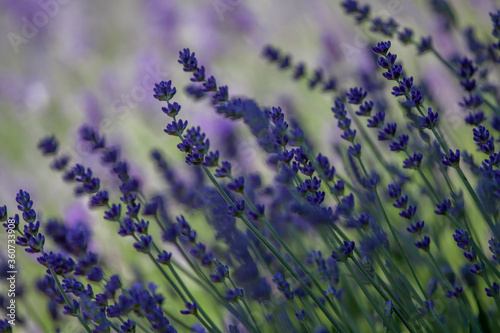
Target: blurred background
(65, 63)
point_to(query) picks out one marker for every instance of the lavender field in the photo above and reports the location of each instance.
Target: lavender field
(250, 166)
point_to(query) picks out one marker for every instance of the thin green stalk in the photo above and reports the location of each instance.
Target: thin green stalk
(460, 301)
(479, 204)
(215, 329)
(384, 286)
(195, 269)
(67, 300)
(469, 316)
(274, 252)
(204, 323)
(142, 327)
(409, 306)
(478, 92)
(476, 248)
(307, 304)
(297, 309)
(253, 230)
(246, 307)
(441, 325)
(431, 188)
(291, 253)
(462, 176)
(381, 207)
(366, 275)
(362, 308)
(190, 296)
(162, 227)
(397, 242)
(426, 181)
(378, 154)
(177, 290)
(63, 293)
(215, 293)
(113, 326)
(162, 271)
(488, 283)
(375, 305)
(338, 230)
(168, 278)
(301, 265)
(375, 285)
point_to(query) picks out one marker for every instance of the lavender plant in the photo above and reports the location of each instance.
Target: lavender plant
(396, 229)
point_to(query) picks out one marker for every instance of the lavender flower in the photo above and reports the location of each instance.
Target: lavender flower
(262, 197)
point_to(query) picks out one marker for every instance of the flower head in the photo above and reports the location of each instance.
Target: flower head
(452, 159)
(48, 145)
(413, 162)
(164, 91)
(424, 244)
(456, 293)
(191, 308)
(283, 286)
(188, 60)
(344, 252)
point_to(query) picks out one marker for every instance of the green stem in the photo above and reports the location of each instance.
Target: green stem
(292, 254)
(247, 308)
(172, 283)
(384, 286)
(378, 154)
(477, 91)
(375, 285)
(372, 301)
(68, 301)
(188, 293)
(471, 191)
(297, 309)
(145, 329)
(427, 182)
(274, 252)
(361, 307)
(215, 293)
(460, 300)
(479, 204)
(381, 292)
(409, 305)
(477, 248)
(398, 243)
